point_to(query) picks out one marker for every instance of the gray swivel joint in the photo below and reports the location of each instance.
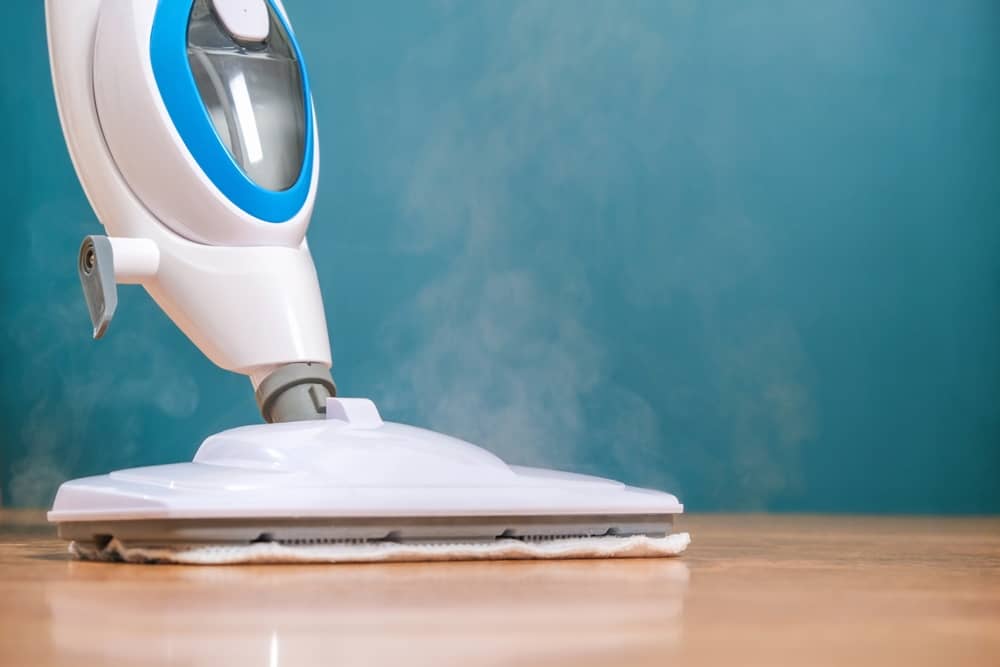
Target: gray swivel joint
(295, 392)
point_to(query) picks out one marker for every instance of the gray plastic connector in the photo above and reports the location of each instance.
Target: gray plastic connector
(96, 266)
(295, 392)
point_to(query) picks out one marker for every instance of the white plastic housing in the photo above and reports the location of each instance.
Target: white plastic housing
(149, 152)
(246, 306)
(350, 465)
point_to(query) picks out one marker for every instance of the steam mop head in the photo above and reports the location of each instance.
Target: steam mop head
(352, 488)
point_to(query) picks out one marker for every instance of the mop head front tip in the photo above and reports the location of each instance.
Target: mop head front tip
(635, 546)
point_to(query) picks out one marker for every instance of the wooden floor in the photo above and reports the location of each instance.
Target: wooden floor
(752, 590)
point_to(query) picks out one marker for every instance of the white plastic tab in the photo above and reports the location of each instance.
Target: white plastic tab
(135, 260)
(358, 412)
(246, 20)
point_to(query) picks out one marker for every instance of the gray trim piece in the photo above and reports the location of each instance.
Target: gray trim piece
(96, 266)
(326, 530)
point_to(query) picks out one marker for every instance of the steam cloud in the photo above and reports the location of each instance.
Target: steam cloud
(511, 352)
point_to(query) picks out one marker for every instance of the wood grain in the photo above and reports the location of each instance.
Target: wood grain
(752, 590)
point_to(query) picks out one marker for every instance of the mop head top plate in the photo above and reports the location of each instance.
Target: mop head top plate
(635, 546)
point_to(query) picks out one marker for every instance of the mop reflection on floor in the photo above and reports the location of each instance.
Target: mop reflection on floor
(371, 613)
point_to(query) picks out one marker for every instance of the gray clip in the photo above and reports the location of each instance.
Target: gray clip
(96, 266)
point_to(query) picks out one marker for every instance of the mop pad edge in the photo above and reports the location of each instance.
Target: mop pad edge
(635, 546)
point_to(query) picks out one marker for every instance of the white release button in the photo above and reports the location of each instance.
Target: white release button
(246, 20)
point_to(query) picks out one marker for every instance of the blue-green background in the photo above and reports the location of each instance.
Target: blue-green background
(746, 251)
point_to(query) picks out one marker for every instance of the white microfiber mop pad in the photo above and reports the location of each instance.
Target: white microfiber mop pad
(637, 546)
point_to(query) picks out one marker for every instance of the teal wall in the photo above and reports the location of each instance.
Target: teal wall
(746, 251)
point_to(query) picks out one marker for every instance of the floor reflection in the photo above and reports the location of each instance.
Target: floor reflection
(481, 613)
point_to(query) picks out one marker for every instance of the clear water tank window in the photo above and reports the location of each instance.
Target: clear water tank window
(253, 93)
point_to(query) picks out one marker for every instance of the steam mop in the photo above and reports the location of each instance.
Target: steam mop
(192, 130)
